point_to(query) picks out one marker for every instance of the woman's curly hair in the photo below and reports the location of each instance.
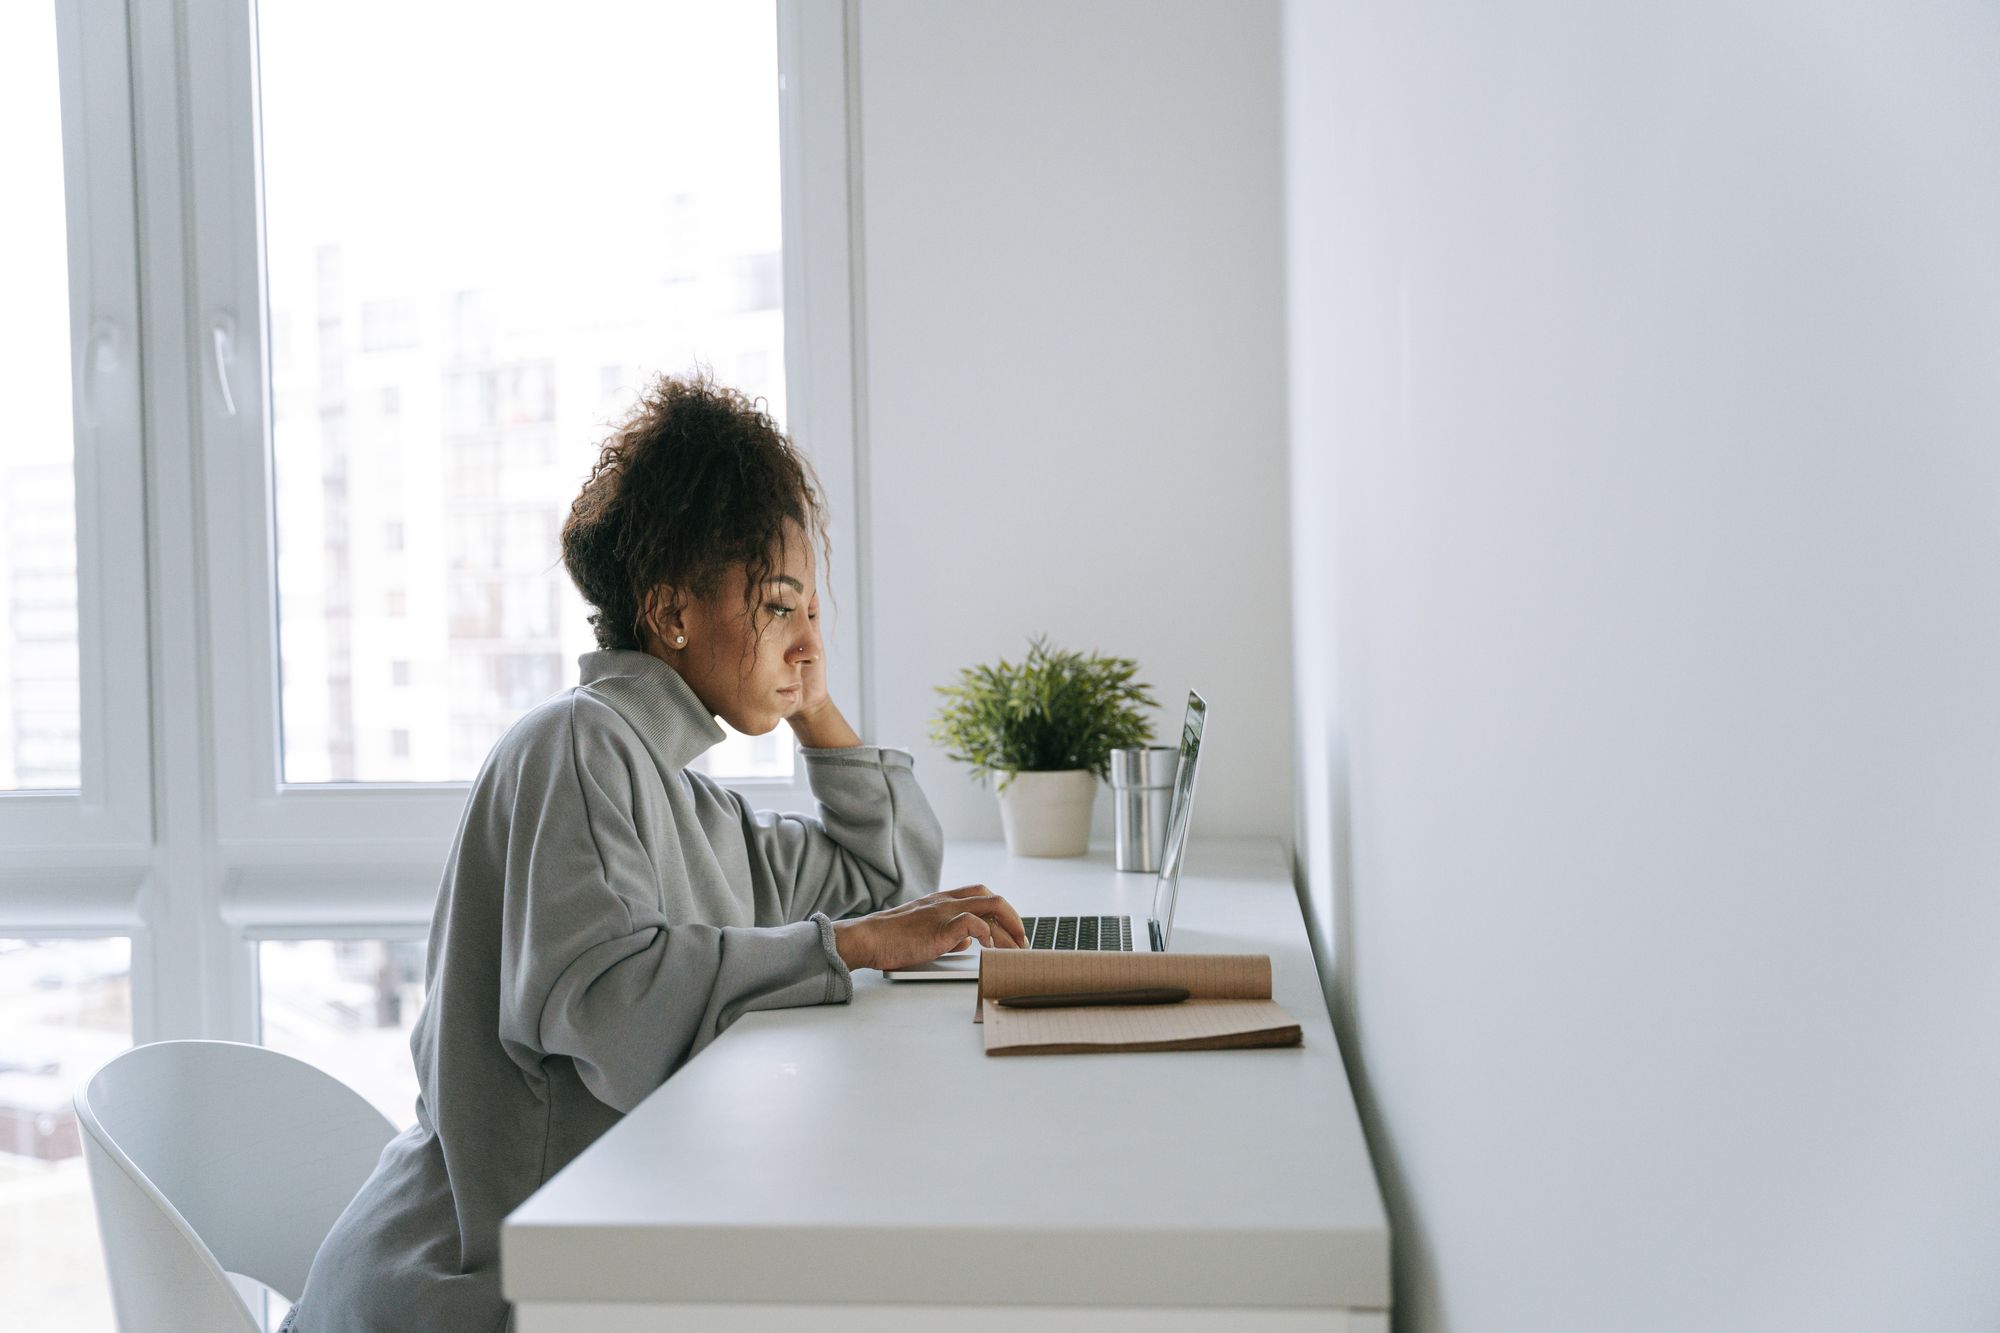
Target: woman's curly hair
(696, 478)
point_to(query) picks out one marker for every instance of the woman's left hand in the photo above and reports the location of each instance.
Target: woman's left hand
(817, 722)
(813, 694)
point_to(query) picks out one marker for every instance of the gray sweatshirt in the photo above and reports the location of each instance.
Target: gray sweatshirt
(604, 915)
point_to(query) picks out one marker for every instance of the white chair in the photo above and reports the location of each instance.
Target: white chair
(212, 1157)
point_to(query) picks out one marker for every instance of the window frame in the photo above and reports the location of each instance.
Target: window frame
(79, 864)
(102, 829)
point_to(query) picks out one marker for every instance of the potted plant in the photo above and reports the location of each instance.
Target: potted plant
(1045, 730)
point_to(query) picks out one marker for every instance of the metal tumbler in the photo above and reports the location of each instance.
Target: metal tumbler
(1142, 796)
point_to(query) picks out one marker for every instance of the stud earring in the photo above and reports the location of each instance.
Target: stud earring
(680, 640)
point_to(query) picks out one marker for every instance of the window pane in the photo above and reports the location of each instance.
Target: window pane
(768, 756)
(65, 1008)
(347, 1007)
(475, 258)
(38, 658)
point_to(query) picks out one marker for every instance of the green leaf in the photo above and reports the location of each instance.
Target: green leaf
(1056, 710)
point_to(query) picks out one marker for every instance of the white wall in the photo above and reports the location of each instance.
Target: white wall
(1075, 366)
(1646, 361)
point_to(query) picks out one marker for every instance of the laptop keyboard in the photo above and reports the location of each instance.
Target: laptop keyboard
(1106, 933)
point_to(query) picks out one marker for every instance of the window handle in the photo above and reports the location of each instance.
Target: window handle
(100, 358)
(222, 338)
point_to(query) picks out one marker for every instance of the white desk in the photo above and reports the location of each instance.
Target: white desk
(867, 1166)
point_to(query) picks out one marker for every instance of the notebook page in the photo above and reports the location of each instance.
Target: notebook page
(1191, 1025)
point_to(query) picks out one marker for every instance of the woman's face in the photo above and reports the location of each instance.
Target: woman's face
(748, 663)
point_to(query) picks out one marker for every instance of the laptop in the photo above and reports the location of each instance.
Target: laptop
(1113, 933)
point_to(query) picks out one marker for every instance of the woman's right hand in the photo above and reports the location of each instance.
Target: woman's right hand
(938, 923)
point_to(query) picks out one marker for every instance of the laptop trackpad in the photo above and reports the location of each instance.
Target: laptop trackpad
(960, 966)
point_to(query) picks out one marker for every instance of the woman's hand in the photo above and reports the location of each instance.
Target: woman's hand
(817, 722)
(812, 679)
(823, 728)
(938, 923)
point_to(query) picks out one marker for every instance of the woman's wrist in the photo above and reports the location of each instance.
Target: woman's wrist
(850, 941)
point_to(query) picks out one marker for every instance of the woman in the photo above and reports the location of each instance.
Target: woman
(606, 912)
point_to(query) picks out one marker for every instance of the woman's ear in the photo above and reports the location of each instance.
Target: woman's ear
(661, 615)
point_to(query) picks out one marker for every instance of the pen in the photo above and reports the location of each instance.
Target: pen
(1074, 999)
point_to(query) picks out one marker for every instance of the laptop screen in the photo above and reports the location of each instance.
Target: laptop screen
(1168, 889)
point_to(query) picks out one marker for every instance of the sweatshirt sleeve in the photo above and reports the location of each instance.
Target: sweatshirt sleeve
(876, 842)
(592, 970)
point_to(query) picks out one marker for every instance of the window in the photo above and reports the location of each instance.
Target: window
(538, 246)
(348, 1007)
(65, 1008)
(371, 596)
(386, 326)
(40, 731)
(759, 283)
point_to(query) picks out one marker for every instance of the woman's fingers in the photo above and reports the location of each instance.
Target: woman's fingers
(951, 921)
(1011, 920)
(1003, 917)
(961, 930)
(978, 898)
(993, 913)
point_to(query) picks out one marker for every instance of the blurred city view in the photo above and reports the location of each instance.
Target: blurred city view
(456, 316)
(39, 703)
(344, 1006)
(426, 449)
(40, 716)
(65, 1008)
(347, 1007)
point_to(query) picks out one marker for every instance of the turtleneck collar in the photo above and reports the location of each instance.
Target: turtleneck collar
(662, 707)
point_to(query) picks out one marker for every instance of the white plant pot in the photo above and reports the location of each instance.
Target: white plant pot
(1048, 814)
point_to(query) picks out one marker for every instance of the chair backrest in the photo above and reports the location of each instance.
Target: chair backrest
(213, 1156)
